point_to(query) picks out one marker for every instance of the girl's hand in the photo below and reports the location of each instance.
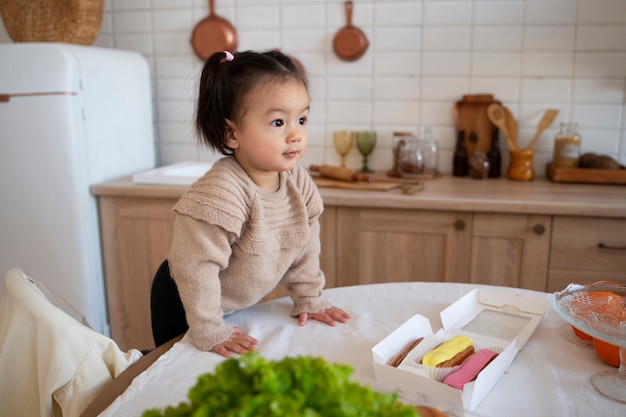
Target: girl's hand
(238, 343)
(328, 316)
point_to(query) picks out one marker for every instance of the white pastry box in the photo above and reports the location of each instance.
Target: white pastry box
(496, 319)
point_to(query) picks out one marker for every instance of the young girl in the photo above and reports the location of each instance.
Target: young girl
(252, 221)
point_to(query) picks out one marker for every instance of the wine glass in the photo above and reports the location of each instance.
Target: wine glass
(365, 143)
(343, 141)
(599, 310)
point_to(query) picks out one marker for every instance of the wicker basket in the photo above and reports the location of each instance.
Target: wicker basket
(69, 21)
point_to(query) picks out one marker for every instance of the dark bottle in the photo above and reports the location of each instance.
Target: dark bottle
(494, 156)
(460, 166)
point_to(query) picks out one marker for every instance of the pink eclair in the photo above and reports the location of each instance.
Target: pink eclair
(470, 368)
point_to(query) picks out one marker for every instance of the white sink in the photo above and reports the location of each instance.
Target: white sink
(181, 173)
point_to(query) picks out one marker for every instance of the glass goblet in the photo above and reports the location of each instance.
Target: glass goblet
(343, 141)
(365, 143)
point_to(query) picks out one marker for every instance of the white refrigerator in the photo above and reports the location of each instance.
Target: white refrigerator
(70, 116)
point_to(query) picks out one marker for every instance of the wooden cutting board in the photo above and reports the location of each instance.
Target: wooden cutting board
(472, 113)
(587, 175)
(407, 188)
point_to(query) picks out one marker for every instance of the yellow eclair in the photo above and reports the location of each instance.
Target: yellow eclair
(450, 353)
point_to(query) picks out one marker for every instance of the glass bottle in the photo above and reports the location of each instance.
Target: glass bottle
(459, 161)
(567, 146)
(495, 158)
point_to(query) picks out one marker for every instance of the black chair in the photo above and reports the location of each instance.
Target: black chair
(166, 308)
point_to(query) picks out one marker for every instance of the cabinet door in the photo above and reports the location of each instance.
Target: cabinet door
(388, 245)
(136, 237)
(586, 250)
(510, 250)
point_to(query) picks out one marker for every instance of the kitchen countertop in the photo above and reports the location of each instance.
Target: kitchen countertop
(539, 196)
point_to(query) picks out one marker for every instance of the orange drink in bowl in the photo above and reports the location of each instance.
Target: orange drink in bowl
(604, 303)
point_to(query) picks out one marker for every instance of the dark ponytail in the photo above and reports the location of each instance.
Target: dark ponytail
(215, 102)
(225, 81)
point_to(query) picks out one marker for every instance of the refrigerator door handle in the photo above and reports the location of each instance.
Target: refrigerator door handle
(5, 98)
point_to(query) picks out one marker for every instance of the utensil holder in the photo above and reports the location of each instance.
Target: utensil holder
(521, 165)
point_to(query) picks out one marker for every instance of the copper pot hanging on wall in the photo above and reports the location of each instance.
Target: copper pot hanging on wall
(350, 43)
(213, 34)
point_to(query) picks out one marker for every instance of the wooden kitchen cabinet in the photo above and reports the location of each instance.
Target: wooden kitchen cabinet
(510, 250)
(136, 236)
(388, 245)
(535, 235)
(586, 250)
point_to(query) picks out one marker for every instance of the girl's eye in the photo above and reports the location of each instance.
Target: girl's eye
(303, 121)
(277, 123)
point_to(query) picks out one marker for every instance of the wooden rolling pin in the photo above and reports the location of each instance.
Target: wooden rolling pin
(339, 173)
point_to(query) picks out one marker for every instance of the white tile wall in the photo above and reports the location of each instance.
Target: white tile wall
(423, 56)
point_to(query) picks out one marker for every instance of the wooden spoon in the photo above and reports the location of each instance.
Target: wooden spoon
(496, 114)
(544, 123)
(511, 125)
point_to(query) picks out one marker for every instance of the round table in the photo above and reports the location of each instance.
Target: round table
(549, 376)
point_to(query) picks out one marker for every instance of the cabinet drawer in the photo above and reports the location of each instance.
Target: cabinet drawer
(590, 249)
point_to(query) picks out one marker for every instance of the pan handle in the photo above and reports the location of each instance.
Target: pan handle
(348, 5)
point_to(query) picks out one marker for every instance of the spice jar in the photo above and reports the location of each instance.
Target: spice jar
(567, 146)
(399, 145)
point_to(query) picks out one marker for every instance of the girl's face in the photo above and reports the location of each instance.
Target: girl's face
(270, 133)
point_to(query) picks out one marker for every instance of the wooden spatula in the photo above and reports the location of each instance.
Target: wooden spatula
(496, 114)
(511, 125)
(544, 123)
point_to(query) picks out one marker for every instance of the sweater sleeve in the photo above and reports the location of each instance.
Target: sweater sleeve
(199, 251)
(304, 279)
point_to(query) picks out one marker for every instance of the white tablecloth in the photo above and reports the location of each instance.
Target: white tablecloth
(549, 377)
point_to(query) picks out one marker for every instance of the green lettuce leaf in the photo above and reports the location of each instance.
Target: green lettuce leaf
(306, 386)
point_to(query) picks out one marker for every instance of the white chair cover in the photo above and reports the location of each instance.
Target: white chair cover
(51, 364)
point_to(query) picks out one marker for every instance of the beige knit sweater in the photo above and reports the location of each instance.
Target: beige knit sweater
(234, 242)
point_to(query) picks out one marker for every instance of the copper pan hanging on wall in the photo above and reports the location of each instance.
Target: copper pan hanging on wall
(213, 34)
(350, 43)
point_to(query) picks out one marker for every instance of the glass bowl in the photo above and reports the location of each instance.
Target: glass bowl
(599, 310)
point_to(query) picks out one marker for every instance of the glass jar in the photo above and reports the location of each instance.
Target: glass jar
(411, 157)
(567, 146)
(479, 165)
(419, 155)
(399, 145)
(429, 149)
